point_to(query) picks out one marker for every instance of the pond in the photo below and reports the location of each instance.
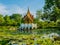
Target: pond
(15, 44)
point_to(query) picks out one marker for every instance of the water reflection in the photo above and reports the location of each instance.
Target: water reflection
(15, 44)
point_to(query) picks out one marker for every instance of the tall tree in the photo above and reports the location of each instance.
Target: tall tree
(52, 7)
(38, 14)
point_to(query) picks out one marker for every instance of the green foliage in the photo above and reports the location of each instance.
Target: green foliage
(40, 25)
(17, 18)
(31, 39)
(52, 8)
(58, 23)
(4, 42)
(1, 20)
(7, 20)
(45, 24)
(51, 24)
(44, 16)
(38, 14)
(13, 20)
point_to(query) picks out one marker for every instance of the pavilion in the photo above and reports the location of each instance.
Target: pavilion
(28, 21)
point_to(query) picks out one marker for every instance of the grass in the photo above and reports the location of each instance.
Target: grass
(28, 38)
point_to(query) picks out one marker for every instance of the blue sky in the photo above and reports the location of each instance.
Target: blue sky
(20, 6)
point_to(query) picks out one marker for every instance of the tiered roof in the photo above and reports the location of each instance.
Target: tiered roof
(28, 17)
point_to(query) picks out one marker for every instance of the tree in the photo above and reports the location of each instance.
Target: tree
(1, 20)
(44, 16)
(38, 14)
(52, 7)
(38, 18)
(17, 18)
(7, 20)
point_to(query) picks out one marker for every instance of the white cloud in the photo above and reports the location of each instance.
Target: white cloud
(3, 9)
(17, 9)
(12, 10)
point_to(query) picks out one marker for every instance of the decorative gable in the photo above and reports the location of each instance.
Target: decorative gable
(28, 18)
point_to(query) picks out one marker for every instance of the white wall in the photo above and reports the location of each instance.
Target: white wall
(28, 26)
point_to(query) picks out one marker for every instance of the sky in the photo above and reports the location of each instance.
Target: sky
(8, 7)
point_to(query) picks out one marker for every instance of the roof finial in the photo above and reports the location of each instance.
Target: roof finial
(28, 9)
(28, 12)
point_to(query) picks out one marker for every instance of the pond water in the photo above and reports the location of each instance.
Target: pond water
(14, 44)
